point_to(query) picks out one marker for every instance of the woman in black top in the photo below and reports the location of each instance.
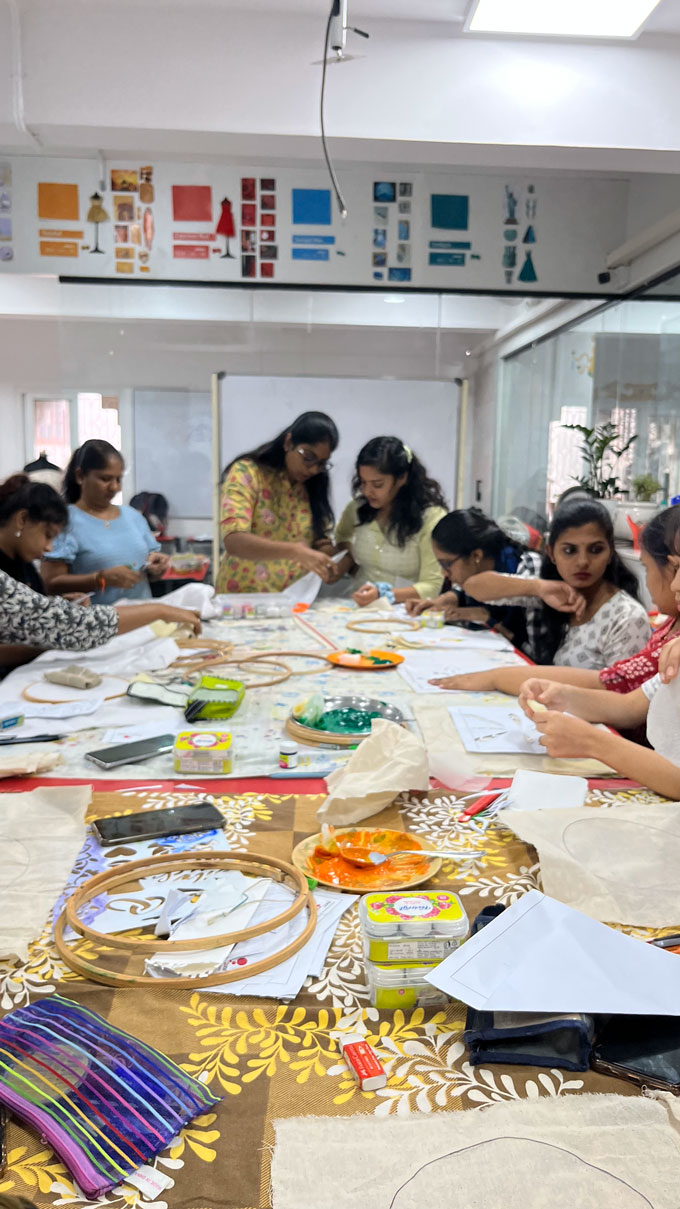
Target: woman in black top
(31, 516)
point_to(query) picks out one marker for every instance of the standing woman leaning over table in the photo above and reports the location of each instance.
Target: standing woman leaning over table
(107, 549)
(276, 514)
(387, 528)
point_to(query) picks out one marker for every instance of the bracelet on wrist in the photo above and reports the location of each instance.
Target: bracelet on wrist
(100, 581)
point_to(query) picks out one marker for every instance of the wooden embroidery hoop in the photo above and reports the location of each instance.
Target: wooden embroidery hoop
(28, 696)
(375, 625)
(308, 671)
(119, 875)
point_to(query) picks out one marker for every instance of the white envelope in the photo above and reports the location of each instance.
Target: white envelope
(540, 956)
(546, 791)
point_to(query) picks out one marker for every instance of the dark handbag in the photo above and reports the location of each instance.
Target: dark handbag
(526, 1038)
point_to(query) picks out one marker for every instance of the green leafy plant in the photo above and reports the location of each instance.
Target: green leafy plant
(645, 486)
(600, 446)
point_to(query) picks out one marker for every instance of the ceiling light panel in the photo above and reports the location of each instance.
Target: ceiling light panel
(561, 18)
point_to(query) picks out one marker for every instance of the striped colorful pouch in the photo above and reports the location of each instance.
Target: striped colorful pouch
(106, 1102)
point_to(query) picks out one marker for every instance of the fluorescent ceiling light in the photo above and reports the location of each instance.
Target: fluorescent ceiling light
(561, 18)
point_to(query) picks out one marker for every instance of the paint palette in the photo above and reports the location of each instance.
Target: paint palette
(329, 868)
(365, 661)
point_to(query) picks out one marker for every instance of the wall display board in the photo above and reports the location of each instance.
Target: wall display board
(224, 223)
(423, 414)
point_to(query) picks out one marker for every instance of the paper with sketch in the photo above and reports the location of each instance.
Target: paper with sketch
(541, 956)
(545, 791)
(419, 667)
(619, 866)
(496, 728)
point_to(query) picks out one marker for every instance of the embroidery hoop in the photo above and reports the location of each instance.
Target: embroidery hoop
(109, 879)
(27, 696)
(308, 671)
(369, 625)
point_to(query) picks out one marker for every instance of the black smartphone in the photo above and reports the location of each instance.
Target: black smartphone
(155, 824)
(131, 753)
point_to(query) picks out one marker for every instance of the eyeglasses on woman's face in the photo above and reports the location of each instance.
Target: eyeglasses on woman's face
(312, 462)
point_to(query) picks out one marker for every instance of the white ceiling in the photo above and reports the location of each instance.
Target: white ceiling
(664, 20)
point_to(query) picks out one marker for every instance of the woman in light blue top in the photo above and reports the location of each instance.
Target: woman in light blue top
(106, 549)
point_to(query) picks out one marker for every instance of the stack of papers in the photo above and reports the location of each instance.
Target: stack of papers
(192, 905)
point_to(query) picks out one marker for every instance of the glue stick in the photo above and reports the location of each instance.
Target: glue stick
(363, 1062)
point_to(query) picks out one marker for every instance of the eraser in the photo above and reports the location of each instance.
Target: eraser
(363, 1062)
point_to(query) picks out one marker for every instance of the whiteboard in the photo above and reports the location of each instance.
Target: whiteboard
(172, 444)
(423, 414)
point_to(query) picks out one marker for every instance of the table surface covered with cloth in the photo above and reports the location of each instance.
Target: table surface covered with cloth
(269, 1060)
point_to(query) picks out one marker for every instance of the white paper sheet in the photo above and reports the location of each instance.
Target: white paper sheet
(306, 589)
(545, 791)
(541, 956)
(497, 728)
(419, 667)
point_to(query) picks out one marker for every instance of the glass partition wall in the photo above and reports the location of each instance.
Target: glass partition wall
(620, 365)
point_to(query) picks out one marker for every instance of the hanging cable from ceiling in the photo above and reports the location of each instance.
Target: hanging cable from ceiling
(335, 40)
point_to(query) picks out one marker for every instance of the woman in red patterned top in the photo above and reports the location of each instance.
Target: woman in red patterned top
(660, 564)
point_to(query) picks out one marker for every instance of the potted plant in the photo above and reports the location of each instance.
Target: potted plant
(645, 486)
(602, 449)
(598, 447)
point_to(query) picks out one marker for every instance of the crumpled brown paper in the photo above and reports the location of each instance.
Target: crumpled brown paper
(390, 761)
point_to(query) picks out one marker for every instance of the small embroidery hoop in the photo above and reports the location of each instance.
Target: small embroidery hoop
(375, 625)
(27, 695)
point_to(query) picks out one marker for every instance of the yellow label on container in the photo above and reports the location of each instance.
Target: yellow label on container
(405, 907)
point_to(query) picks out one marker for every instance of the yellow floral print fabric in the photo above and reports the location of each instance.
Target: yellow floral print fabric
(259, 500)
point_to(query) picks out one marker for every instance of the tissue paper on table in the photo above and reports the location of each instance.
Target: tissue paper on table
(199, 597)
(390, 761)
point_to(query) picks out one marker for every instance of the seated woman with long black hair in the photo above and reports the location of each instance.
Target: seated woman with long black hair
(583, 610)
(276, 514)
(386, 529)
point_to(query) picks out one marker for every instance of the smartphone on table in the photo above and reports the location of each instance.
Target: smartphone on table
(131, 753)
(156, 824)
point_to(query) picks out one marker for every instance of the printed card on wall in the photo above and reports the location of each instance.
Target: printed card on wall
(392, 224)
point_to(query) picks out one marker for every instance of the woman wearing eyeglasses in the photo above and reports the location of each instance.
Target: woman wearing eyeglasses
(387, 528)
(276, 516)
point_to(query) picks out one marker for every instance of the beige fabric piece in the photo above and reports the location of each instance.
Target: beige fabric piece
(23, 764)
(41, 834)
(436, 725)
(618, 866)
(390, 761)
(575, 1152)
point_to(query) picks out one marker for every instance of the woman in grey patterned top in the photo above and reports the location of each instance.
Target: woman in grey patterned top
(30, 622)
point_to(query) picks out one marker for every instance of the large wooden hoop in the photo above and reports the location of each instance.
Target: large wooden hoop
(112, 878)
(120, 875)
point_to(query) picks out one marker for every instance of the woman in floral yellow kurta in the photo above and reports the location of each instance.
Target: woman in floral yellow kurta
(275, 509)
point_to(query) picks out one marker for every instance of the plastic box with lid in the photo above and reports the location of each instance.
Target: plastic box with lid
(411, 925)
(402, 986)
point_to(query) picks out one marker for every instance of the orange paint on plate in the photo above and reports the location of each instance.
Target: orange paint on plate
(333, 868)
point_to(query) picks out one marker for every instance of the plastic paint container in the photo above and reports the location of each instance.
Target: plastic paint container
(411, 925)
(402, 986)
(288, 754)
